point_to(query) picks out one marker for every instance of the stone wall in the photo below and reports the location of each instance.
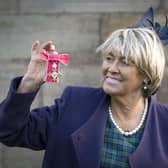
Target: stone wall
(77, 28)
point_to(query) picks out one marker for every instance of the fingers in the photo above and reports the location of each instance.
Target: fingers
(49, 47)
(46, 46)
(34, 47)
(52, 49)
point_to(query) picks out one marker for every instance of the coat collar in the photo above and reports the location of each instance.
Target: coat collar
(88, 139)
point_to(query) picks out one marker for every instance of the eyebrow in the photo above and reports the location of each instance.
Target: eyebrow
(111, 54)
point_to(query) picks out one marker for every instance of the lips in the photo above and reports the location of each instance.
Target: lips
(112, 81)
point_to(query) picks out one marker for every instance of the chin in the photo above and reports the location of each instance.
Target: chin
(111, 91)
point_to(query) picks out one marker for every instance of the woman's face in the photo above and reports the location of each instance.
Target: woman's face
(119, 77)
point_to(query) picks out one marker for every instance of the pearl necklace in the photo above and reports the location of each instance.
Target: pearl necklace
(127, 133)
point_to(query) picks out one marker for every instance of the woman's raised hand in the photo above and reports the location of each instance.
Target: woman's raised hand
(36, 71)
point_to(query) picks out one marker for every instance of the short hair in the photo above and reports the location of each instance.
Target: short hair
(143, 48)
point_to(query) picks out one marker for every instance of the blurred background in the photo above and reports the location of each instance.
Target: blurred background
(77, 27)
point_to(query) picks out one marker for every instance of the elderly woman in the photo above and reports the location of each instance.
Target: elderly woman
(117, 125)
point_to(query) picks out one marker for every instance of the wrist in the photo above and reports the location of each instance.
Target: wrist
(28, 84)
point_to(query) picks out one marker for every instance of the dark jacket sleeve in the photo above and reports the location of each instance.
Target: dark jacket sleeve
(22, 128)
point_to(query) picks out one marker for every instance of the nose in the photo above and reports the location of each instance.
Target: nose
(114, 67)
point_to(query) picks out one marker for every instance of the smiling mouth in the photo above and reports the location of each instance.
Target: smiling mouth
(112, 81)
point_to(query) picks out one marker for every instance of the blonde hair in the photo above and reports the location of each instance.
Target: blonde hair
(143, 48)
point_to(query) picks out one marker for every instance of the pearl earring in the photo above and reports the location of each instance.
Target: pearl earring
(145, 84)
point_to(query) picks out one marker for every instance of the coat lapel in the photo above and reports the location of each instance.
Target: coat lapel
(88, 139)
(151, 152)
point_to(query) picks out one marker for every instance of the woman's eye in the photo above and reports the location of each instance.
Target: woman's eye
(124, 62)
(108, 58)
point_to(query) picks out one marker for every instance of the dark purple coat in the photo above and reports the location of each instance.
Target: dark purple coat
(71, 131)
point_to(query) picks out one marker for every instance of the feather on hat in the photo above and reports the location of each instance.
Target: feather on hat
(147, 21)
